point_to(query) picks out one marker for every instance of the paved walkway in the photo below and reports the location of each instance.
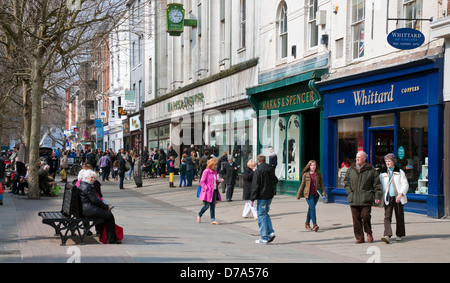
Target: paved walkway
(160, 226)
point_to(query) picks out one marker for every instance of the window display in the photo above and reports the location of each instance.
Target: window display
(284, 137)
(413, 141)
(350, 141)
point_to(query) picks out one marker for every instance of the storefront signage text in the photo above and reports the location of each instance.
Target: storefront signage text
(368, 97)
(289, 100)
(187, 102)
(406, 38)
(361, 98)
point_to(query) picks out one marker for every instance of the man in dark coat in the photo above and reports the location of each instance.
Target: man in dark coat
(230, 171)
(263, 190)
(363, 188)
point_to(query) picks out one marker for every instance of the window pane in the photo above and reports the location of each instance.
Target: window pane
(350, 140)
(293, 136)
(413, 137)
(382, 120)
(278, 145)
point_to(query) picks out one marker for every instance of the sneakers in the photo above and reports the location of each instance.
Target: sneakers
(264, 242)
(271, 237)
(261, 242)
(386, 239)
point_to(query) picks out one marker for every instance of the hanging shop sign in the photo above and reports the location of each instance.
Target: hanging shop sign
(406, 38)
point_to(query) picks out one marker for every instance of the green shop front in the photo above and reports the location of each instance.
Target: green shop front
(289, 117)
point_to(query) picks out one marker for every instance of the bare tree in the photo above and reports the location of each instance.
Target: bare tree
(41, 40)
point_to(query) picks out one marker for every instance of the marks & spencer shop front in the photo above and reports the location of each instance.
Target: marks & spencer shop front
(395, 110)
(289, 120)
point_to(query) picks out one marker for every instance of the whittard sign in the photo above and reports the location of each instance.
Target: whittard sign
(406, 38)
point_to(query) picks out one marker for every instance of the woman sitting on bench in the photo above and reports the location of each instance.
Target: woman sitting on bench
(94, 207)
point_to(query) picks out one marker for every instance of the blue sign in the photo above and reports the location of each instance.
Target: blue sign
(98, 123)
(406, 38)
(392, 94)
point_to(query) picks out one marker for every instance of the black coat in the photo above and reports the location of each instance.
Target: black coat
(230, 173)
(263, 182)
(247, 176)
(92, 205)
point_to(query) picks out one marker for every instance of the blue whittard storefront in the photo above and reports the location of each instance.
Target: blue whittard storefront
(399, 110)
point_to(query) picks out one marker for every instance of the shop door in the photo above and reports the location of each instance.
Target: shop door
(382, 143)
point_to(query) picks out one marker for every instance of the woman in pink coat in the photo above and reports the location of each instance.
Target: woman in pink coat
(209, 193)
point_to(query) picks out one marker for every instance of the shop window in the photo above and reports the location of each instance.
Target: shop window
(350, 141)
(293, 145)
(158, 137)
(413, 149)
(284, 137)
(231, 132)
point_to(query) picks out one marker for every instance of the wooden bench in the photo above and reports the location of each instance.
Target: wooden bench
(70, 218)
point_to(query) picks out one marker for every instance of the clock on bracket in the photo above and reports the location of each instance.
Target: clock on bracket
(175, 18)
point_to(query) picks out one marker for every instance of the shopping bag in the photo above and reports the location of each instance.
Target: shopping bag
(119, 234)
(199, 190)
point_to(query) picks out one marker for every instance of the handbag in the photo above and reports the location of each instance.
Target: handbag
(1, 189)
(199, 190)
(119, 234)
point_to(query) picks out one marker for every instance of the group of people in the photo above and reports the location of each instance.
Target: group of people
(365, 187)
(259, 185)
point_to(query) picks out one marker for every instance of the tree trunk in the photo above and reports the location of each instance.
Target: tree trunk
(37, 85)
(26, 117)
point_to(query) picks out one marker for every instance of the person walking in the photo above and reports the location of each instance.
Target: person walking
(312, 181)
(122, 169)
(182, 172)
(395, 187)
(247, 177)
(162, 160)
(263, 190)
(230, 171)
(189, 168)
(104, 164)
(222, 161)
(363, 188)
(209, 192)
(171, 170)
(64, 164)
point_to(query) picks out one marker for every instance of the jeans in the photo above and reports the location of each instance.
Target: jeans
(207, 205)
(264, 222)
(311, 215)
(182, 179)
(130, 171)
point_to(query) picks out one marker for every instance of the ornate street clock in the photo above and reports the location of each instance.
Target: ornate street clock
(175, 19)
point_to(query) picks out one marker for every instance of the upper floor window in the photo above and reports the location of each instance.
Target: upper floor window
(243, 18)
(313, 31)
(358, 16)
(283, 31)
(412, 9)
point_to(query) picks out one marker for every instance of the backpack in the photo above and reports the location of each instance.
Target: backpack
(127, 165)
